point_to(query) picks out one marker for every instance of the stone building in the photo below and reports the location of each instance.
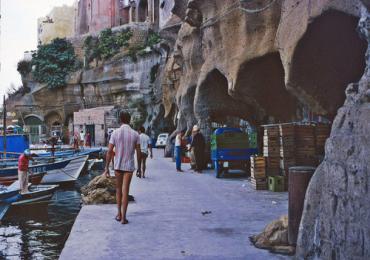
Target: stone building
(59, 23)
(97, 121)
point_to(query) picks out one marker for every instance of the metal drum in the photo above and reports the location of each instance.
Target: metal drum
(299, 178)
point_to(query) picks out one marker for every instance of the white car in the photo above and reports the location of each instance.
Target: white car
(161, 140)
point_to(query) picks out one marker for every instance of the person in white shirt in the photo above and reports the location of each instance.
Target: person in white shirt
(82, 138)
(146, 148)
(126, 142)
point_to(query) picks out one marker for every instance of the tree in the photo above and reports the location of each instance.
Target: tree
(53, 62)
(24, 67)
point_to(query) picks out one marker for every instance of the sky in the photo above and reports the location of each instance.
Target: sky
(19, 34)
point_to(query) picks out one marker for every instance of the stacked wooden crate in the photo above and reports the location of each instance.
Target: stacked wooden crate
(271, 149)
(322, 132)
(287, 150)
(305, 145)
(258, 172)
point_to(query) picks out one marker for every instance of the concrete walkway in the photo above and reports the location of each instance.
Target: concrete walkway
(166, 221)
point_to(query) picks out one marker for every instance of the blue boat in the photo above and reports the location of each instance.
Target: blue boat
(38, 168)
(68, 153)
(9, 195)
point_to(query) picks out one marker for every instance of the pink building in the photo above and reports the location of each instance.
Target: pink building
(96, 15)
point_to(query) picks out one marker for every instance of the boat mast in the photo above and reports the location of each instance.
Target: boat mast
(4, 127)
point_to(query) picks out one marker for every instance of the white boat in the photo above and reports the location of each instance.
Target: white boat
(70, 173)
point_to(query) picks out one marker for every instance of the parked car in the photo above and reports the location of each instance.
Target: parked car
(162, 140)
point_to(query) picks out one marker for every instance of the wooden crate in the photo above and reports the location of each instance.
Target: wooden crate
(258, 167)
(258, 160)
(322, 133)
(271, 131)
(259, 184)
(271, 152)
(287, 130)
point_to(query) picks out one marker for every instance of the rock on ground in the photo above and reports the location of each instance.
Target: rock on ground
(274, 237)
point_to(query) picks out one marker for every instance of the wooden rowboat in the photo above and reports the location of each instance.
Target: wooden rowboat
(37, 193)
(34, 178)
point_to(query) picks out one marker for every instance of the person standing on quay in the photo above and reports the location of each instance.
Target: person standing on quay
(82, 138)
(125, 140)
(146, 147)
(88, 139)
(178, 150)
(76, 141)
(23, 163)
(198, 145)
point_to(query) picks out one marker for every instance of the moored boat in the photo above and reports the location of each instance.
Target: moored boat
(11, 196)
(8, 194)
(92, 152)
(34, 178)
(37, 193)
(66, 175)
(37, 168)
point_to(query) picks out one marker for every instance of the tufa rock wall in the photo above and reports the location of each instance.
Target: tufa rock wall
(248, 58)
(335, 222)
(119, 82)
(269, 61)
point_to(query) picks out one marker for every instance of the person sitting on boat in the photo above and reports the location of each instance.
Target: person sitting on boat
(23, 163)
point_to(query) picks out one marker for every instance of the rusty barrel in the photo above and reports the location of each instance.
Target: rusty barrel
(299, 178)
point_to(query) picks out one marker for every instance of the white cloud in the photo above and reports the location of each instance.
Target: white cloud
(19, 34)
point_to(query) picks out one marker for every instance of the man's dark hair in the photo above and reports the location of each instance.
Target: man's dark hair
(142, 129)
(125, 117)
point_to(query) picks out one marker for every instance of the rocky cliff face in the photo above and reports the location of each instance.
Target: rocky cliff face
(335, 223)
(121, 81)
(268, 61)
(250, 57)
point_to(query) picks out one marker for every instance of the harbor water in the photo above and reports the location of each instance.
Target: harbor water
(39, 231)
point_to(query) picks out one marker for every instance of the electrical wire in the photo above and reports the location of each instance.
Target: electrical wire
(235, 7)
(253, 11)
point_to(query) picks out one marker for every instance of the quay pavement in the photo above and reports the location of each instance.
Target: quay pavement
(169, 219)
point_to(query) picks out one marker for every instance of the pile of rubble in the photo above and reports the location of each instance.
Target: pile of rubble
(275, 237)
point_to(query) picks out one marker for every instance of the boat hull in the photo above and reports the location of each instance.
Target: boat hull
(36, 194)
(35, 179)
(38, 168)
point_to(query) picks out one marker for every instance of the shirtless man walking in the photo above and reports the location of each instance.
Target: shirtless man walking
(125, 140)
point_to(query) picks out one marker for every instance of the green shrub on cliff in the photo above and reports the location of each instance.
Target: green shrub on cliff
(153, 39)
(53, 62)
(106, 45)
(90, 50)
(24, 67)
(137, 50)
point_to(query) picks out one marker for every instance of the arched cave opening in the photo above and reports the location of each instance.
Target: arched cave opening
(214, 102)
(156, 13)
(329, 56)
(142, 11)
(260, 83)
(187, 107)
